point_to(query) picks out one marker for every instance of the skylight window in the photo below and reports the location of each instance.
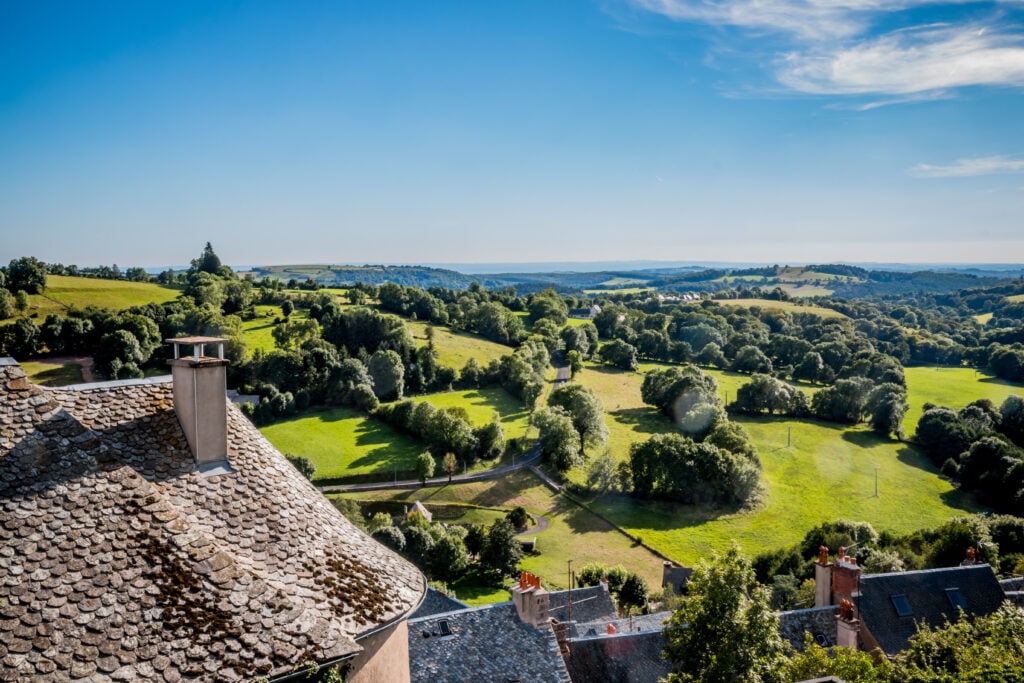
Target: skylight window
(956, 598)
(901, 605)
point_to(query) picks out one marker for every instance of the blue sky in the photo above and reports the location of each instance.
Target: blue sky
(364, 132)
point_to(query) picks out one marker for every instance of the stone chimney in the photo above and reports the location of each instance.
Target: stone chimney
(532, 602)
(822, 579)
(847, 626)
(200, 386)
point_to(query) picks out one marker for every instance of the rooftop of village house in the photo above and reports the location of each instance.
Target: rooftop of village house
(118, 556)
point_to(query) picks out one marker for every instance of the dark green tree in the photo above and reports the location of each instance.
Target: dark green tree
(26, 273)
(725, 630)
(502, 550)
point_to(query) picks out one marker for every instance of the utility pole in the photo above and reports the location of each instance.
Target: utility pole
(876, 481)
(789, 436)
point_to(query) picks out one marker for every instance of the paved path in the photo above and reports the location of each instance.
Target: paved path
(531, 457)
(541, 523)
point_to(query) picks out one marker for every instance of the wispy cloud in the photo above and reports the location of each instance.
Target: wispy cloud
(835, 47)
(970, 167)
(907, 62)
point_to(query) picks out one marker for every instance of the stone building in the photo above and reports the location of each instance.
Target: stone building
(149, 532)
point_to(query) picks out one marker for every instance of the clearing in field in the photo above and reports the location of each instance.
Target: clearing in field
(788, 306)
(63, 291)
(483, 405)
(258, 332)
(343, 442)
(455, 348)
(575, 533)
(953, 388)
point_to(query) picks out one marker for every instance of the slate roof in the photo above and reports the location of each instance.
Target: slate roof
(486, 644)
(820, 622)
(591, 603)
(677, 577)
(118, 559)
(925, 591)
(437, 602)
(643, 622)
(624, 658)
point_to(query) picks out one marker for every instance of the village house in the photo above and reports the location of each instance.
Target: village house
(148, 531)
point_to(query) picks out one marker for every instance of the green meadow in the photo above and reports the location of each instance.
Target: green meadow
(827, 473)
(258, 332)
(951, 387)
(455, 348)
(343, 442)
(483, 405)
(788, 306)
(63, 291)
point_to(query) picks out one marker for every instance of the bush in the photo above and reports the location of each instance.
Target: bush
(392, 537)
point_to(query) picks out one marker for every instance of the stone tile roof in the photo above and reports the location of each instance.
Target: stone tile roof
(925, 592)
(591, 603)
(643, 622)
(820, 622)
(486, 644)
(437, 602)
(118, 560)
(623, 658)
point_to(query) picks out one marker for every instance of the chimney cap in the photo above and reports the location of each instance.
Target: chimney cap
(196, 340)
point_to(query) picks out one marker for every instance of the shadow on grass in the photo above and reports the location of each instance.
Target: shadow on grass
(638, 515)
(863, 439)
(644, 420)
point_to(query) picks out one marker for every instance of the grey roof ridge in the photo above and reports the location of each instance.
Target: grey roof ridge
(112, 384)
(934, 570)
(478, 608)
(823, 608)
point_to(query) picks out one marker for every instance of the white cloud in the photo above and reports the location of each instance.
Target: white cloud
(832, 47)
(970, 167)
(927, 60)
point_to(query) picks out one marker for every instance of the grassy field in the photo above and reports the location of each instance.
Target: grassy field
(629, 418)
(827, 473)
(1016, 298)
(951, 387)
(982, 318)
(258, 332)
(806, 290)
(455, 348)
(343, 442)
(50, 375)
(788, 306)
(574, 534)
(63, 291)
(482, 405)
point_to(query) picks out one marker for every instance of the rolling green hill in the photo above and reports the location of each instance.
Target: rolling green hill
(63, 291)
